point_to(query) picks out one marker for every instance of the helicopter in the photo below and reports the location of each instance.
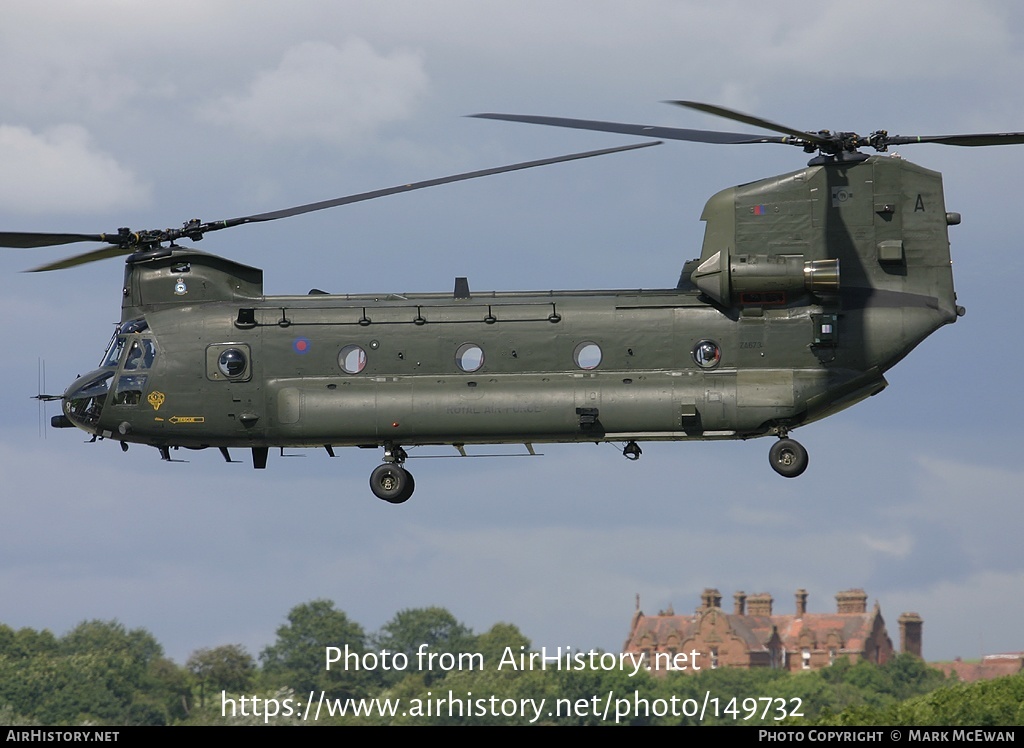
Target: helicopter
(808, 288)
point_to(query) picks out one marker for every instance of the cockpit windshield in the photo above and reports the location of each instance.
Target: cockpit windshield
(112, 356)
(113, 353)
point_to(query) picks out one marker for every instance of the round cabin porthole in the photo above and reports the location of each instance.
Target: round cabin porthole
(587, 355)
(469, 357)
(352, 359)
(231, 363)
(707, 354)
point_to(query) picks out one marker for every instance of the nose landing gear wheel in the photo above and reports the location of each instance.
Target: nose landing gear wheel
(392, 483)
(788, 458)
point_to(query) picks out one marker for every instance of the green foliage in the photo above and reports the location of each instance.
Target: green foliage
(412, 628)
(724, 690)
(10, 718)
(111, 636)
(168, 685)
(501, 636)
(868, 688)
(25, 642)
(990, 703)
(226, 668)
(98, 672)
(910, 676)
(297, 659)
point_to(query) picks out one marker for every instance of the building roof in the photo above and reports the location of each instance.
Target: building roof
(848, 631)
(991, 666)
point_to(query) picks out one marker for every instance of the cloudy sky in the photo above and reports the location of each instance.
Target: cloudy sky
(116, 114)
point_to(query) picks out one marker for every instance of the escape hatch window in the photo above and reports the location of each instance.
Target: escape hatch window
(469, 357)
(587, 355)
(352, 359)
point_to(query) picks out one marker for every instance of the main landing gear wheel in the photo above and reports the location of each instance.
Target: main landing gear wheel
(392, 483)
(632, 451)
(788, 458)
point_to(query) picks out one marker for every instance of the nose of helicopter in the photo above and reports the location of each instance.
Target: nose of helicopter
(84, 400)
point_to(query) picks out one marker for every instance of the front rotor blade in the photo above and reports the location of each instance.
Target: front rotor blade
(980, 139)
(648, 131)
(309, 208)
(749, 119)
(194, 230)
(31, 240)
(102, 253)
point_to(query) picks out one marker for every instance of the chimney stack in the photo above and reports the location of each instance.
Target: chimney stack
(710, 598)
(911, 625)
(801, 602)
(740, 602)
(852, 601)
(759, 604)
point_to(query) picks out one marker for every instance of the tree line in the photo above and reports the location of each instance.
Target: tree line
(100, 672)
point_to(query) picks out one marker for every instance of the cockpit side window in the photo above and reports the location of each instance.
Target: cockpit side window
(129, 389)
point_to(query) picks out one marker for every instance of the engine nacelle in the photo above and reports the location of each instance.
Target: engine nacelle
(723, 276)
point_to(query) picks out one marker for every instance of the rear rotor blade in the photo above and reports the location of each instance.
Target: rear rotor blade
(826, 142)
(981, 139)
(749, 119)
(649, 131)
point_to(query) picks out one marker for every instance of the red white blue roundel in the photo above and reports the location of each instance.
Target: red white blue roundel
(301, 345)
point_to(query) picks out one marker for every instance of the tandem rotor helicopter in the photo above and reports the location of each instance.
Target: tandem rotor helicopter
(809, 287)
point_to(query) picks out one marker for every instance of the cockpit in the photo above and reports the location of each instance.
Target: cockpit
(129, 356)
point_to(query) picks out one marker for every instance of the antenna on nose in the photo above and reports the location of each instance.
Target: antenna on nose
(43, 399)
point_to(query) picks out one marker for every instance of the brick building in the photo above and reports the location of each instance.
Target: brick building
(990, 666)
(753, 635)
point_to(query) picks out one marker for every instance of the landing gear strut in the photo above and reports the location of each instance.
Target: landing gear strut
(390, 481)
(788, 457)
